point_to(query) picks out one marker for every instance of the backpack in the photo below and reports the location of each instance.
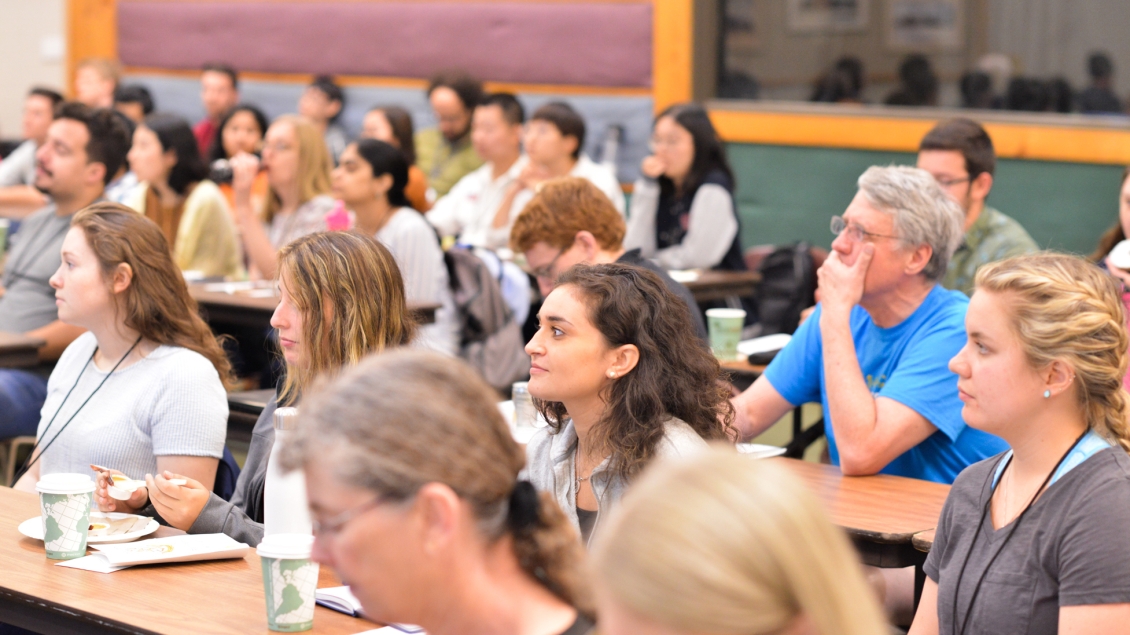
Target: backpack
(787, 287)
(490, 339)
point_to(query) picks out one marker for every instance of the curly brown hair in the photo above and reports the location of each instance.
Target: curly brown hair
(676, 376)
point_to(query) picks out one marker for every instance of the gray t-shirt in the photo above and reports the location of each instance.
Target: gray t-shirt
(1072, 548)
(29, 301)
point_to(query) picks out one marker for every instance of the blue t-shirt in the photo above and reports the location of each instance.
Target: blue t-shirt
(908, 363)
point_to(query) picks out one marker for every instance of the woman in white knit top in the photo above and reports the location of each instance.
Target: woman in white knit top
(143, 390)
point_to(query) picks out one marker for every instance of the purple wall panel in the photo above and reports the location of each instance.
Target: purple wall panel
(595, 44)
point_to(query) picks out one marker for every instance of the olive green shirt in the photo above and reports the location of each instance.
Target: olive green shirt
(445, 163)
(992, 237)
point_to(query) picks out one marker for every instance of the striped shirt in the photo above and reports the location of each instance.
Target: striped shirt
(171, 403)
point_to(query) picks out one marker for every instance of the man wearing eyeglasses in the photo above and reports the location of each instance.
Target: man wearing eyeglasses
(445, 152)
(959, 154)
(875, 352)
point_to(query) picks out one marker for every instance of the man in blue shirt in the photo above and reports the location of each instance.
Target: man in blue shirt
(875, 353)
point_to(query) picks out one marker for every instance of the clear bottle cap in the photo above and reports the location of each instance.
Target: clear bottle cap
(286, 418)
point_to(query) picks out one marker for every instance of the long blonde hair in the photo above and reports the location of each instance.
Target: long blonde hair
(314, 164)
(1065, 308)
(721, 543)
(351, 297)
(403, 419)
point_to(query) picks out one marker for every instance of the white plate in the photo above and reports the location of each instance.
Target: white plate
(684, 276)
(759, 451)
(33, 528)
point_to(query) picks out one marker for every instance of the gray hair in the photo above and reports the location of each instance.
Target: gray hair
(924, 214)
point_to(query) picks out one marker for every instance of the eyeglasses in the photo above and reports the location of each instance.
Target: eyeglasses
(663, 142)
(950, 182)
(333, 526)
(854, 232)
(277, 147)
(546, 271)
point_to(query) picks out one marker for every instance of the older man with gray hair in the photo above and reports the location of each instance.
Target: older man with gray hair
(876, 351)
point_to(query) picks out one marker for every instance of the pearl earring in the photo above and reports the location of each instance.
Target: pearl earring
(1047, 394)
(611, 375)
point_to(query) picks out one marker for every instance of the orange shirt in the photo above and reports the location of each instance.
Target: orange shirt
(417, 189)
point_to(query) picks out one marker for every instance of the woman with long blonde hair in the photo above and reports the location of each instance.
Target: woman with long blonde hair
(412, 479)
(142, 390)
(723, 544)
(1034, 540)
(298, 171)
(323, 327)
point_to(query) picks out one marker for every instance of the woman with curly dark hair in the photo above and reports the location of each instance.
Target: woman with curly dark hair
(622, 379)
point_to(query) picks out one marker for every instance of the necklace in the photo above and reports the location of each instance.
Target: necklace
(33, 457)
(577, 478)
(1015, 525)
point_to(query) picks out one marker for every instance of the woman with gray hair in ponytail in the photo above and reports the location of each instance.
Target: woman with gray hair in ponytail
(412, 479)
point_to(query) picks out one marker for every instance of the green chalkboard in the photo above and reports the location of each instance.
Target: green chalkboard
(788, 193)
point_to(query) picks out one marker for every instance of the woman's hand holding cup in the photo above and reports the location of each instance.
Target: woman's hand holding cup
(244, 169)
(106, 503)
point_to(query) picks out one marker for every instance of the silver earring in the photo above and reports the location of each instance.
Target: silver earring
(1047, 394)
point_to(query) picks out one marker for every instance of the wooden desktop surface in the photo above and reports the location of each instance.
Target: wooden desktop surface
(880, 508)
(924, 540)
(224, 596)
(18, 350)
(719, 285)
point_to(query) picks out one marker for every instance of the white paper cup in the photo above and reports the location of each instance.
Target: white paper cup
(725, 326)
(289, 581)
(64, 503)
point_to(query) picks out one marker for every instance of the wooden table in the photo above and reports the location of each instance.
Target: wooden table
(743, 368)
(18, 350)
(720, 285)
(221, 597)
(924, 541)
(254, 307)
(883, 515)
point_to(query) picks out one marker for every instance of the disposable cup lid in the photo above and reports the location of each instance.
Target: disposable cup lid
(725, 313)
(286, 546)
(64, 484)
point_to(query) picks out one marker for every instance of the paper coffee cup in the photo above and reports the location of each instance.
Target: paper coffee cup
(64, 501)
(289, 581)
(725, 326)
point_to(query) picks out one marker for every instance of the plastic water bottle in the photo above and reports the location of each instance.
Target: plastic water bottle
(525, 414)
(284, 495)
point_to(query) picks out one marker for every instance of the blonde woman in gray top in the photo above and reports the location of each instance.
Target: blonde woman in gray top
(298, 171)
(719, 543)
(621, 377)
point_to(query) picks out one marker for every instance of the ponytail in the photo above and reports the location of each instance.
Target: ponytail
(547, 546)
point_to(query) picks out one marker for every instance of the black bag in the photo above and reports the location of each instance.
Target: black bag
(787, 287)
